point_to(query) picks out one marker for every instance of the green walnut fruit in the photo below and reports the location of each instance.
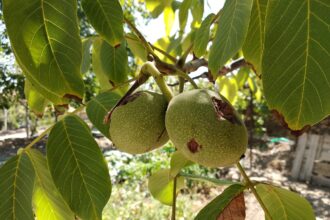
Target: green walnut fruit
(138, 124)
(205, 127)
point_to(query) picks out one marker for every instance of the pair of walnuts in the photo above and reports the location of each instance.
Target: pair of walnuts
(202, 125)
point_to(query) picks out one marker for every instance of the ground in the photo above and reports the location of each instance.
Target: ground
(132, 200)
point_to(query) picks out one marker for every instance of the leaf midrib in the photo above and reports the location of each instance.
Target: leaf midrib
(306, 63)
(280, 201)
(76, 160)
(50, 45)
(231, 28)
(14, 185)
(106, 18)
(260, 27)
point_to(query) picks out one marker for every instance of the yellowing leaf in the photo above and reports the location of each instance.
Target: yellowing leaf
(169, 17)
(36, 102)
(47, 201)
(228, 88)
(160, 185)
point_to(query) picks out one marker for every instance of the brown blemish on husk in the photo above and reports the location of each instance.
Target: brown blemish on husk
(225, 110)
(193, 146)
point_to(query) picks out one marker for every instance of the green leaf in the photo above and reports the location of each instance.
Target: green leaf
(160, 185)
(232, 29)
(47, 201)
(217, 205)
(178, 162)
(197, 11)
(253, 45)
(110, 64)
(78, 167)
(203, 36)
(97, 109)
(107, 19)
(86, 58)
(183, 13)
(169, 17)
(45, 38)
(283, 204)
(36, 102)
(296, 56)
(135, 45)
(16, 187)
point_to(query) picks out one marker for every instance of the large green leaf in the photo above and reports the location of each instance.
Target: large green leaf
(45, 38)
(232, 29)
(254, 41)
(110, 64)
(161, 185)
(296, 67)
(228, 87)
(78, 167)
(47, 201)
(107, 18)
(183, 13)
(283, 204)
(216, 206)
(203, 36)
(16, 187)
(97, 109)
(36, 102)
